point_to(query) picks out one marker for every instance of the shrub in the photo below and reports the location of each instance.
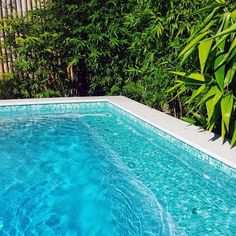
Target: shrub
(73, 48)
(212, 86)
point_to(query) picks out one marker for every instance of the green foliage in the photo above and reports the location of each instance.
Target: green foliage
(213, 90)
(94, 47)
(73, 48)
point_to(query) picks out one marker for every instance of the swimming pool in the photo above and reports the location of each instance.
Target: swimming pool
(93, 169)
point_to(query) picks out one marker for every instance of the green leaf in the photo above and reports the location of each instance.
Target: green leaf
(181, 91)
(220, 1)
(190, 79)
(224, 26)
(211, 104)
(223, 129)
(227, 31)
(219, 71)
(204, 9)
(193, 43)
(196, 93)
(205, 22)
(208, 26)
(209, 94)
(230, 75)
(189, 120)
(175, 87)
(204, 50)
(218, 43)
(214, 117)
(194, 76)
(233, 14)
(230, 54)
(187, 54)
(226, 109)
(233, 140)
(225, 22)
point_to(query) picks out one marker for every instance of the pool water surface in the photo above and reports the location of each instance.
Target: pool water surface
(92, 169)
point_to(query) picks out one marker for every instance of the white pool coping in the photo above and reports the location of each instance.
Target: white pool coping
(206, 142)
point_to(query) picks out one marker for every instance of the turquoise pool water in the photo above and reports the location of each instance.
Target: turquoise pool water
(92, 169)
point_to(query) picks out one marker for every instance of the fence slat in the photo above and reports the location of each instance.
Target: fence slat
(1, 49)
(10, 9)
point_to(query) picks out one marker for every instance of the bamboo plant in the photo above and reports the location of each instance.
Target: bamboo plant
(213, 85)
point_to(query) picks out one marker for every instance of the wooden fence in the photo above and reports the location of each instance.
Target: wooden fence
(12, 9)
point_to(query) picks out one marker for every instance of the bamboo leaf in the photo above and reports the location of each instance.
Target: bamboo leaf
(220, 1)
(209, 25)
(230, 54)
(204, 9)
(209, 94)
(233, 140)
(225, 22)
(181, 91)
(204, 50)
(219, 42)
(227, 31)
(175, 87)
(189, 81)
(219, 71)
(187, 54)
(205, 22)
(193, 43)
(230, 75)
(224, 25)
(233, 14)
(226, 109)
(194, 76)
(214, 117)
(211, 103)
(223, 129)
(196, 93)
(189, 120)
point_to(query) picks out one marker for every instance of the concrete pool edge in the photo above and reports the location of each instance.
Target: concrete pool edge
(202, 140)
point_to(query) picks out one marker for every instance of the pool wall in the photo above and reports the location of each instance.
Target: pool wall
(207, 142)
